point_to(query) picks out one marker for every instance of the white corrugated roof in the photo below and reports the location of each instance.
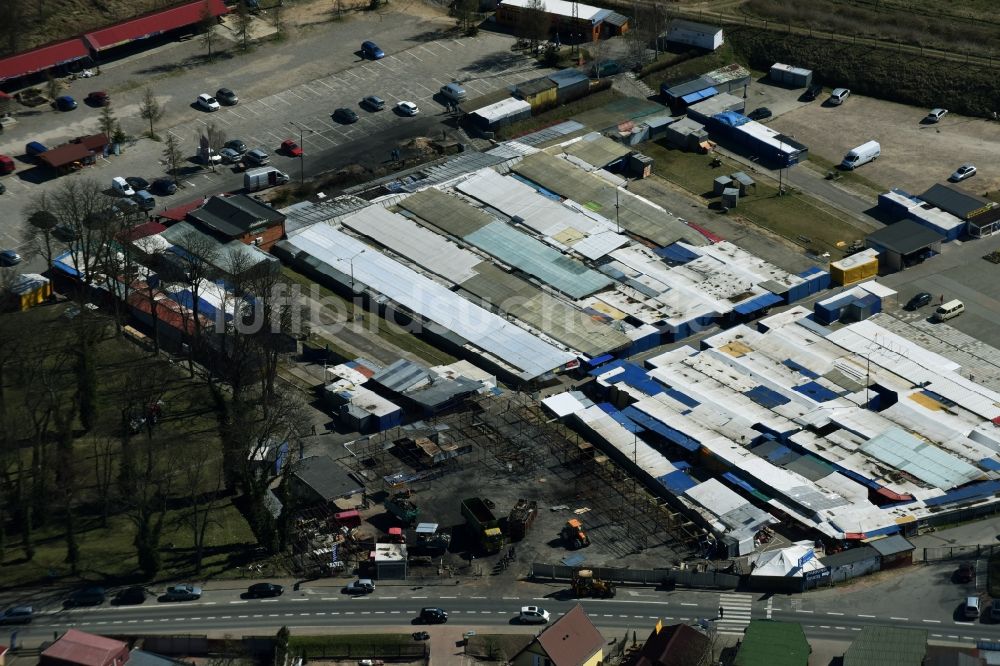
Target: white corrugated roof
(596, 246)
(563, 404)
(502, 109)
(417, 243)
(560, 7)
(529, 355)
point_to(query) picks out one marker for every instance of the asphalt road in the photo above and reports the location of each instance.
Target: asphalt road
(391, 606)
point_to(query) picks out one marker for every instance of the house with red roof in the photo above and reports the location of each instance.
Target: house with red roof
(572, 640)
(78, 648)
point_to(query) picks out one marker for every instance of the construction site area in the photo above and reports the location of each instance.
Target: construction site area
(488, 491)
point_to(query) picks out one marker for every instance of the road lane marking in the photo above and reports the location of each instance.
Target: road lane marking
(470, 597)
(964, 624)
(860, 615)
(239, 602)
(932, 621)
(833, 613)
(684, 603)
(803, 610)
(442, 46)
(331, 598)
(446, 597)
(900, 619)
(306, 599)
(415, 56)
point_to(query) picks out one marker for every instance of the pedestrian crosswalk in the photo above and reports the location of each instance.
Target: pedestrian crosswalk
(734, 613)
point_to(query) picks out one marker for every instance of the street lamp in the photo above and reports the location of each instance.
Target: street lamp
(617, 223)
(302, 154)
(355, 256)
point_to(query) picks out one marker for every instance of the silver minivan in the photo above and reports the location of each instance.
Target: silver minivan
(453, 92)
(948, 310)
(971, 608)
(838, 96)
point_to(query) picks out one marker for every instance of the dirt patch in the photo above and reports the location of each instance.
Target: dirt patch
(914, 156)
(302, 14)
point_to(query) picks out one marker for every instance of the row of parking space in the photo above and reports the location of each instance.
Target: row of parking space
(413, 75)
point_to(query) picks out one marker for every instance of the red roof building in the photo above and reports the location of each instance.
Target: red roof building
(43, 58)
(78, 648)
(179, 213)
(153, 24)
(142, 231)
(171, 316)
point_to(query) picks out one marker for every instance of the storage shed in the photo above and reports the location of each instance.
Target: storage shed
(894, 550)
(389, 561)
(852, 563)
(27, 290)
(679, 95)
(791, 77)
(904, 243)
(501, 113)
(570, 83)
(686, 133)
(540, 93)
(690, 33)
(855, 268)
(704, 110)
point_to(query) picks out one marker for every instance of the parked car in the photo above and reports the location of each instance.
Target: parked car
(130, 596)
(65, 103)
(34, 148)
(182, 592)
(453, 92)
(812, 92)
(345, 116)
(972, 607)
(760, 113)
(966, 571)
(935, 115)
(291, 148)
(207, 102)
(407, 108)
(9, 258)
(373, 103)
(260, 590)
(121, 187)
(227, 97)
(17, 615)
(98, 98)
(89, 596)
(6, 165)
(257, 157)
(208, 156)
(371, 50)
(963, 172)
(918, 301)
(433, 616)
(230, 156)
(361, 586)
(137, 183)
(421, 636)
(163, 186)
(533, 615)
(144, 200)
(838, 95)
(65, 233)
(237, 145)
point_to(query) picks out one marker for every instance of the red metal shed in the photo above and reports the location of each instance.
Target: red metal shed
(78, 648)
(43, 58)
(153, 24)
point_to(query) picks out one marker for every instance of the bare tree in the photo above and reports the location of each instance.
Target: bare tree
(215, 139)
(107, 121)
(244, 22)
(207, 23)
(534, 23)
(52, 86)
(11, 23)
(202, 482)
(172, 155)
(278, 20)
(467, 13)
(151, 110)
(105, 456)
(38, 239)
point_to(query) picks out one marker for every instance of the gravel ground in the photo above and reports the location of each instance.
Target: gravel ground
(914, 156)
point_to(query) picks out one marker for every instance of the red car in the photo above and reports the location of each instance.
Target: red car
(291, 148)
(98, 98)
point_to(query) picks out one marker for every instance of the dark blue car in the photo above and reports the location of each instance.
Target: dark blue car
(65, 103)
(371, 50)
(34, 149)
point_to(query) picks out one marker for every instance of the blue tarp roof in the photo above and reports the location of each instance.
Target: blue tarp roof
(682, 398)
(766, 397)
(816, 391)
(731, 118)
(969, 492)
(699, 95)
(737, 481)
(654, 425)
(677, 482)
(989, 463)
(809, 272)
(604, 358)
(799, 368)
(676, 253)
(757, 304)
(620, 418)
(776, 453)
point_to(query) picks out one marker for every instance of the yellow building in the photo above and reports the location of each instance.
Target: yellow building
(539, 93)
(572, 640)
(855, 268)
(28, 290)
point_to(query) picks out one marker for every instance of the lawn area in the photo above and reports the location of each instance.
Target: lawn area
(655, 73)
(372, 322)
(354, 645)
(794, 216)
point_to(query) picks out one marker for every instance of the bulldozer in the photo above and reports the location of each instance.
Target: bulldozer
(574, 536)
(586, 585)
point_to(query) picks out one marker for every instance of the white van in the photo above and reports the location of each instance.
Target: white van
(838, 96)
(863, 154)
(949, 310)
(971, 608)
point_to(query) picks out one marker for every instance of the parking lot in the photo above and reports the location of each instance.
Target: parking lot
(914, 155)
(415, 72)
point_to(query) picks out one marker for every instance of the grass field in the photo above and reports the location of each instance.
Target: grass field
(852, 178)
(792, 215)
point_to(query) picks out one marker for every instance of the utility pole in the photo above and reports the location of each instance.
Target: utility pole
(617, 223)
(302, 158)
(354, 313)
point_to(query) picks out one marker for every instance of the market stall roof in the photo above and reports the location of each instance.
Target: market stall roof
(153, 24)
(43, 58)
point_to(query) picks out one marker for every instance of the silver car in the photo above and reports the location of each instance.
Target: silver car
(182, 592)
(963, 172)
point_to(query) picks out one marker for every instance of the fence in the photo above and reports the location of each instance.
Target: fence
(943, 553)
(682, 577)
